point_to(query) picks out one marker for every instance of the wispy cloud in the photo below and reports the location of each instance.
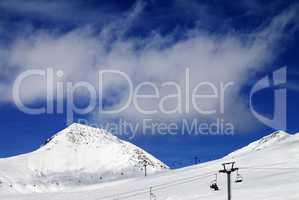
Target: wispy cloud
(212, 57)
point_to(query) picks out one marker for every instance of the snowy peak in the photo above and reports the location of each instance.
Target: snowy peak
(84, 140)
(91, 148)
(271, 139)
(78, 155)
(263, 143)
(79, 134)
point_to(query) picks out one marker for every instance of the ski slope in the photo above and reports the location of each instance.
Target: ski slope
(270, 167)
(76, 156)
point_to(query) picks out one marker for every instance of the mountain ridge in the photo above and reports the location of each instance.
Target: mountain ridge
(44, 174)
(262, 143)
(78, 155)
(268, 173)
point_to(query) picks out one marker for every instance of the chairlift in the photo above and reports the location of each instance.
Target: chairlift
(239, 178)
(214, 185)
(152, 195)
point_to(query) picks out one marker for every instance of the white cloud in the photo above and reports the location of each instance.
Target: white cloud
(216, 58)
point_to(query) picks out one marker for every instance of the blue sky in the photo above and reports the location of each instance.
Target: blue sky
(219, 41)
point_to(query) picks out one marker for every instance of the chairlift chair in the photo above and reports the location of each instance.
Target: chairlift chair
(152, 195)
(214, 185)
(239, 178)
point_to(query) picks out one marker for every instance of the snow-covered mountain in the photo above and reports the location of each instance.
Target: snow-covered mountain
(77, 155)
(269, 167)
(265, 142)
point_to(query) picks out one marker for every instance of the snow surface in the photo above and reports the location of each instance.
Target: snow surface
(270, 168)
(78, 155)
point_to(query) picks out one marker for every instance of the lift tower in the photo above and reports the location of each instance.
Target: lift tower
(228, 168)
